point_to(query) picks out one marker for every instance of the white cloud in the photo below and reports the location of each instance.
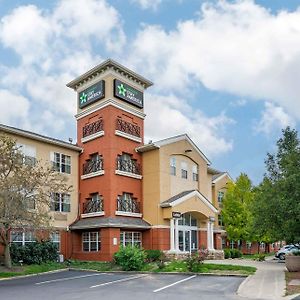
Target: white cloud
(168, 116)
(14, 109)
(148, 4)
(273, 118)
(236, 47)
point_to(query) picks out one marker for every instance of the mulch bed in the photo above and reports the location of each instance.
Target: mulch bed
(292, 289)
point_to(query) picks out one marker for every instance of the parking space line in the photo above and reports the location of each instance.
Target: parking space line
(177, 282)
(69, 278)
(119, 280)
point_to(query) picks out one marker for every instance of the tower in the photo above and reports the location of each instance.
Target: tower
(110, 126)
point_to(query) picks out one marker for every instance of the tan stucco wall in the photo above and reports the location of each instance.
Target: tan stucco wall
(159, 185)
(43, 149)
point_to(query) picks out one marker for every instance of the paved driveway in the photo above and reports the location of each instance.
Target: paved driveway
(89, 285)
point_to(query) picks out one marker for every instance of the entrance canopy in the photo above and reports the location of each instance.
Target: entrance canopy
(188, 201)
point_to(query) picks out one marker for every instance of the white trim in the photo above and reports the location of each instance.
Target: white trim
(92, 136)
(93, 174)
(128, 214)
(222, 176)
(94, 214)
(106, 103)
(128, 136)
(188, 196)
(128, 174)
(161, 226)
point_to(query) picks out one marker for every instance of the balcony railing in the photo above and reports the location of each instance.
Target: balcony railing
(93, 206)
(92, 166)
(128, 205)
(130, 166)
(92, 128)
(128, 128)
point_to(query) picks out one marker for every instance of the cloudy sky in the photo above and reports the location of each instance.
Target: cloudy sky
(225, 72)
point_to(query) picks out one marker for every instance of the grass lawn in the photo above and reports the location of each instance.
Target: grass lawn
(173, 266)
(292, 289)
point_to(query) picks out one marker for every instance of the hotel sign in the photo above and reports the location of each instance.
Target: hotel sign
(127, 93)
(176, 214)
(91, 94)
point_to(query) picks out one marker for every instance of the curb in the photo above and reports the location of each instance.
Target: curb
(32, 275)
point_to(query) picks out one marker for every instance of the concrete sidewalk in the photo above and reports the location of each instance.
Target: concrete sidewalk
(267, 283)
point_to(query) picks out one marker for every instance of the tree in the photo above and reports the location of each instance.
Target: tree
(277, 209)
(25, 190)
(236, 213)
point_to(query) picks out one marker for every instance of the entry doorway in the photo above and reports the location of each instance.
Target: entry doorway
(188, 241)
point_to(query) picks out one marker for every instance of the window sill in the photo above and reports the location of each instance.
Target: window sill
(128, 136)
(93, 174)
(92, 136)
(128, 214)
(93, 214)
(128, 174)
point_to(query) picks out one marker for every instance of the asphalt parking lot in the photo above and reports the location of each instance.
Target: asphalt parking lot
(90, 285)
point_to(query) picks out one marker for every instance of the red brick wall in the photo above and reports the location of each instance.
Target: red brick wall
(202, 240)
(217, 241)
(161, 238)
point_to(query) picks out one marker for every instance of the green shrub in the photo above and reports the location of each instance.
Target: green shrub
(235, 253)
(260, 257)
(195, 260)
(227, 253)
(34, 253)
(153, 255)
(130, 258)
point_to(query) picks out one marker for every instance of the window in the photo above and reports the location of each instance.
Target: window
(60, 202)
(91, 241)
(22, 238)
(248, 245)
(127, 164)
(93, 204)
(61, 162)
(232, 244)
(220, 196)
(127, 203)
(29, 154)
(184, 173)
(187, 220)
(55, 239)
(195, 173)
(220, 220)
(173, 166)
(93, 164)
(131, 239)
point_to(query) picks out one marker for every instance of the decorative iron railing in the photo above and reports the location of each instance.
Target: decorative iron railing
(92, 128)
(92, 166)
(128, 128)
(93, 206)
(130, 166)
(128, 205)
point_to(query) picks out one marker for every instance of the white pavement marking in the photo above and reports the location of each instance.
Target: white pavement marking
(119, 280)
(177, 282)
(69, 278)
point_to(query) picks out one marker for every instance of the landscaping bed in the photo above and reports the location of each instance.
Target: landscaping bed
(291, 288)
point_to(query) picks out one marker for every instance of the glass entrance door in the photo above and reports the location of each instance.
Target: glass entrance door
(184, 240)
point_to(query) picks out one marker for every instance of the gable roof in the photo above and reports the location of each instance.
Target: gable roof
(171, 140)
(217, 177)
(38, 137)
(185, 195)
(108, 64)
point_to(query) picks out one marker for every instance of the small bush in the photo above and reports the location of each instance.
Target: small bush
(34, 253)
(235, 253)
(227, 253)
(130, 258)
(153, 255)
(260, 257)
(195, 261)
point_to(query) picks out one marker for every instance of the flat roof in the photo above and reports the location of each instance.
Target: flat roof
(39, 137)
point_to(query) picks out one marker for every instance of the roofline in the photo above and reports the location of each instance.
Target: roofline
(38, 137)
(213, 171)
(109, 63)
(170, 140)
(74, 227)
(222, 176)
(189, 195)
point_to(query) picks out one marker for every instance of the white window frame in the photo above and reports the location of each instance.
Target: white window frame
(55, 239)
(28, 152)
(24, 237)
(173, 165)
(86, 239)
(184, 170)
(62, 163)
(195, 171)
(221, 195)
(62, 199)
(131, 238)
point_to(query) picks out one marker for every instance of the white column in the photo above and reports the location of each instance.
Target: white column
(176, 235)
(212, 235)
(208, 235)
(172, 244)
